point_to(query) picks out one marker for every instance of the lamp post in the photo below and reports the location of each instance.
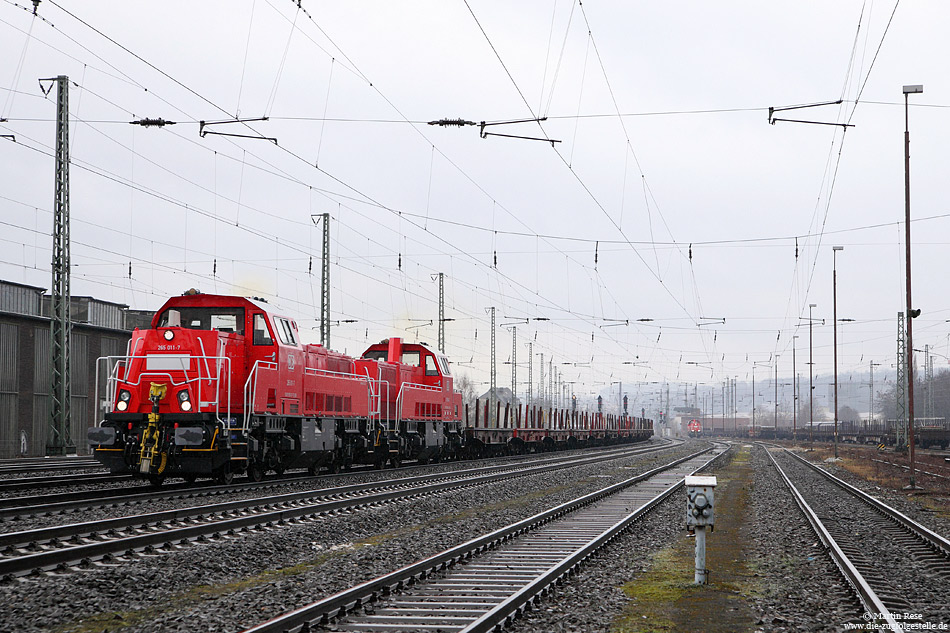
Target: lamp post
(909, 90)
(775, 422)
(871, 389)
(735, 406)
(794, 395)
(834, 283)
(811, 379)
(754, 363)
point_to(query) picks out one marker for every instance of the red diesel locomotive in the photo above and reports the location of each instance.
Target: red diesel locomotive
(222, 385)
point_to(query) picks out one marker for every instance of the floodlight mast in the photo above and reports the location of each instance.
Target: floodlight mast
(834, 311)
(911, 313)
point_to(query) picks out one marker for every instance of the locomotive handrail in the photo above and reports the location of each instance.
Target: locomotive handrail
(377, 394)
(346, 375)
(204, 355)
(250, 396)
(126, 362)
(410, 385)
(250, 385)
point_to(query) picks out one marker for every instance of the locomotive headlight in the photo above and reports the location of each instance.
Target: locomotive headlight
(169, 335)
(184, 400)
(124, 397)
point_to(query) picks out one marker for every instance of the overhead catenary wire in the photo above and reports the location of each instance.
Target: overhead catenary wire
(220, 109)
(505, 246)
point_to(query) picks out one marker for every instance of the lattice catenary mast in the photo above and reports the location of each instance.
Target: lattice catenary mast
(901, 430)
(325, 285)
(59, 441)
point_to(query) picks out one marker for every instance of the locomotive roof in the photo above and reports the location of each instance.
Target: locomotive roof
(384, 344)
(213, 301)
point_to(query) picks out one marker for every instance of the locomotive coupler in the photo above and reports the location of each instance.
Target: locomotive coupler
(150, 437)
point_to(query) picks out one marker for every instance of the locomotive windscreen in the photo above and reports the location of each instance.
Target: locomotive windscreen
(220, 319)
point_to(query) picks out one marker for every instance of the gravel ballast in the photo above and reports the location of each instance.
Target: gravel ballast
(240, 581)
(793, 585)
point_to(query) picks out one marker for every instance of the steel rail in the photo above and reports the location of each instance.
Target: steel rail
(29, 483)
(39, 466)
(339, 604)
(274, 510)
(866, 594)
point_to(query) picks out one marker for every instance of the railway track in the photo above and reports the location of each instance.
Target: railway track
(14, 485)
(60, 547)
(920, 468)
(895, 565)
(488, 581)
(41, 464)
(59, 481)
(48, 504)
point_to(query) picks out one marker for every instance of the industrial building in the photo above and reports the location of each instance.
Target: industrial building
(99, 328)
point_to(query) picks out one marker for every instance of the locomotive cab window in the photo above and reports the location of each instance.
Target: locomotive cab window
(410, 358)
(284, 331)
(224, 322)
(194, 318)
(261, 334)
(431, 369)
(376, 355)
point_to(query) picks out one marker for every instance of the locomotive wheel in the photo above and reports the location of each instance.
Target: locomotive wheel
(190, 478)
(333, 467)
(279, 470)
(396, 462)
(255, 472)
(224, 475)
(156, 480)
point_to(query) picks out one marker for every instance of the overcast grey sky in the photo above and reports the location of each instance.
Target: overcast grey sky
(668, 196)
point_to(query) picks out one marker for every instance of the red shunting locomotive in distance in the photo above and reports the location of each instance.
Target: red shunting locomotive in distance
(222, 385)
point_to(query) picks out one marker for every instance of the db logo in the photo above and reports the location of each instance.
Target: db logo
(291, 363)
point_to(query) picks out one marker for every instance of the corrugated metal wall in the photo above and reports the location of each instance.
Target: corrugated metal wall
(40, 391)
(106, 315)
(79, 368)
(9, 387)
(25, 368)
(20, 300)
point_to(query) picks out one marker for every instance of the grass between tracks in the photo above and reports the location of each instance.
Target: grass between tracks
(664, 598)
(115, 621)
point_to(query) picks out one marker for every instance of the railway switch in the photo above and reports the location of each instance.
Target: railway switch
(700, 496)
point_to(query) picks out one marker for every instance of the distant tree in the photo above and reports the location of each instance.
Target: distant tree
(885, 402)
(465, 385)
(847, 414)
